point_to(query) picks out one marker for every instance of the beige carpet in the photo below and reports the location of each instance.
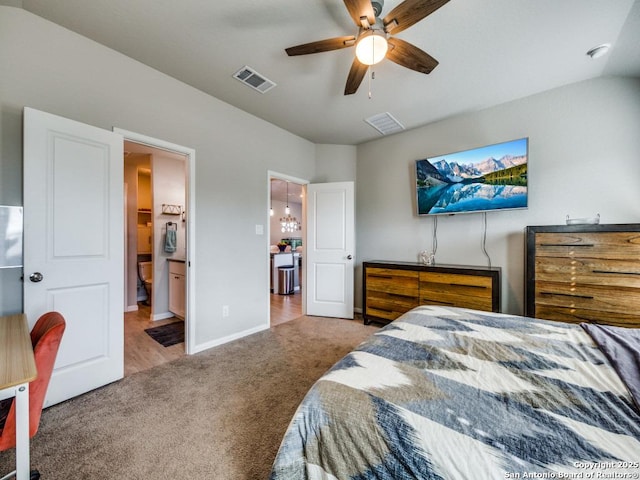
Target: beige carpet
(220, 414)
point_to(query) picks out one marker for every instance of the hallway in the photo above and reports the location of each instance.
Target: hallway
(285, 307)
(142, 352)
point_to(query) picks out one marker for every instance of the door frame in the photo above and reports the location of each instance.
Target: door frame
(300, 181)
(190, 189)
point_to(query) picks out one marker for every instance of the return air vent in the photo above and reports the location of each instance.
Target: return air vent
(253, 79)
(385, 123)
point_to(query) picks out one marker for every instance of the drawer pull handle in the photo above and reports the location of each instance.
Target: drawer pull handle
(434, 301)
(382, 309)
(586, 297)
(467, 286)
(567, 245)
(400, 295)
(616, 273)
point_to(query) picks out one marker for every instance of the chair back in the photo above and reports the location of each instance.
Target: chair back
(46, 336)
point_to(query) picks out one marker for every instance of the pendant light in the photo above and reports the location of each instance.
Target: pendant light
(271, 200)
(288, 223)
(287, 210)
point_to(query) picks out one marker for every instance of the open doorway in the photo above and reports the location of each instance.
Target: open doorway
(286, 248)
(157, 193)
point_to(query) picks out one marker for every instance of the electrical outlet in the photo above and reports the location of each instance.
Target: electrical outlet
(225, 310)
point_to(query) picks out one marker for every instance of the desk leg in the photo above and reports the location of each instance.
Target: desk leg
(22, 432)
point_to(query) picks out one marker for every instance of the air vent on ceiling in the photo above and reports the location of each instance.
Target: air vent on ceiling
(250, 77)
(385, 123)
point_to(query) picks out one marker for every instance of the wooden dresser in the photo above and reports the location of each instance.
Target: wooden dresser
(584, 273)
(393, 288)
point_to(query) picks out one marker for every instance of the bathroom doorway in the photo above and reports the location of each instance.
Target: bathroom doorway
(157, 327)
(286, 248)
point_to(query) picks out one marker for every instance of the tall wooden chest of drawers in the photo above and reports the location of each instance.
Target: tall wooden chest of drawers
(393, 288)
(584, 273)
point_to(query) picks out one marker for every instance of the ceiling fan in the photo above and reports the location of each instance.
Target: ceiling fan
(374, 41)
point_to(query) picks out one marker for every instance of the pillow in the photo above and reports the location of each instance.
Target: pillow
(622, 347)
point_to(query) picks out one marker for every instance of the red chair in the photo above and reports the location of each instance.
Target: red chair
(46, 336)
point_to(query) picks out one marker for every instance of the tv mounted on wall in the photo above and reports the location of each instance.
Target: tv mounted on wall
(493, 177)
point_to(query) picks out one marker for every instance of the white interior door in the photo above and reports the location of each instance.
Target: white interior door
(330, 249)
(73, 247)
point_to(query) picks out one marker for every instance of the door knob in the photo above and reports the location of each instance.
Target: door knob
(349, 257)
(36, 277)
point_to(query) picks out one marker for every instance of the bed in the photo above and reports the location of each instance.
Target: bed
(451, 393)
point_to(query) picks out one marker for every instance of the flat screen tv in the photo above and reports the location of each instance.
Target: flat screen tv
(482, 179)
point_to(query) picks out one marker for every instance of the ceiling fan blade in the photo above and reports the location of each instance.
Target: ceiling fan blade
(356, 74)
(410, 12)
(360, 8)
(408, 55)
(322, 46)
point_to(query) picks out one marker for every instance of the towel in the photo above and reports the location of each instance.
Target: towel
(170, 241)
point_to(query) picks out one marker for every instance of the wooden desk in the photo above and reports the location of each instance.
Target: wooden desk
(17, 369)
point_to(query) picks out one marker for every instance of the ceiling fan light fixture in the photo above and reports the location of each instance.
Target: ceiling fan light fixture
(371, 47)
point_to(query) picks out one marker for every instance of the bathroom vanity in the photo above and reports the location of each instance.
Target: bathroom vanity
(177, 287)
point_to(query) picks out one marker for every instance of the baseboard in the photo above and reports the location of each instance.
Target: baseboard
(162, 316)
(229, 338)
(132, 308)
(357, 309)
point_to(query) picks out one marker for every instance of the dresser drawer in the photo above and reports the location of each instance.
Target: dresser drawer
(400, 282)
(577, 315)
(390, 293)
(389, 305)
(591, 271)
(604, 245)
(467, 291)
(587, 297)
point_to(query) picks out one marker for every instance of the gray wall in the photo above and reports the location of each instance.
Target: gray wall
(584, 159)
(335, 163)
(52, 69)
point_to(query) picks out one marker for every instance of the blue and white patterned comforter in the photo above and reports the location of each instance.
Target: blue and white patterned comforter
(447, 393)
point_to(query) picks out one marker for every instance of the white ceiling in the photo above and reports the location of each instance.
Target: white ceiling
(490, 52)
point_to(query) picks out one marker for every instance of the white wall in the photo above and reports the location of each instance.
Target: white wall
(49, 68)
(584, 159)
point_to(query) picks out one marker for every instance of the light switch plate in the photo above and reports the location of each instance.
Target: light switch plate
(259, 229)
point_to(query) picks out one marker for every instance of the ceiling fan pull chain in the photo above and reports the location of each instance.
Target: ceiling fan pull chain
(371, 71)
